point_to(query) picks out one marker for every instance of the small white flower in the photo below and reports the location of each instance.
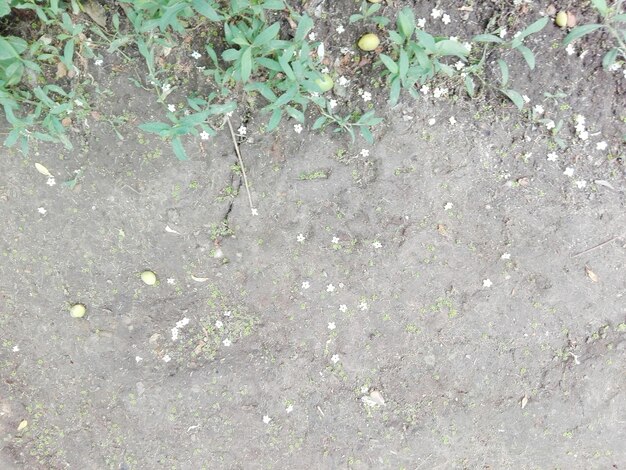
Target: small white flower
(16, 348)
(538, 109)
(227, 342)
(174, 334)
(341, 285)
(42, 211)
(335, 240)
(306, 284)
(325, 70)
(335, 359)
(289, 409)
(98, 62)
(526, 99)
(468, 46)
(300, 238)
(343, 308)
(138, 359)
(171, 280)
(343, 81)
(570, 49)
(297, 128)
(365, 153)
(254, 211)
(330, 288)
(552, 157)
(425, 89)
(377, 244)
(448, 206)
(445, 19)
(435, 13)
(196, 55)
(454, 38)
(432, 121)
(267, 419)
(459, 65)
(340, 29)
(331, 325)
(182, 323)
(516, 35)
(452, 120)
(584, 135)
(171, 108)
(166, 88)
(204, 135)
(421, 23)
(601, 145)
(363, 306)
(614, 67)
(581, 184)
(51, 182)
(367, 96)
(78, 103)
(218, 324)
(242, 130)
(332, 104)
(487, 283)
(580, 119)
(439, 92)
(227, 313)
(569, 171)
(502, 33)
(505, 256)
(550, 125)
(312, 36)
(167, 358)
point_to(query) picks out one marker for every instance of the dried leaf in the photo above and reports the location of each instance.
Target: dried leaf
(43, 170)
(443, 231)
(61, 70)
(96, 12)
(593, 276)
(605, 184)
(22, 425)
(524, 401)
(171, 230)
(377, 397)
(199, 279)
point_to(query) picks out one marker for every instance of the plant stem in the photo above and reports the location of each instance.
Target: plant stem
(243, 170)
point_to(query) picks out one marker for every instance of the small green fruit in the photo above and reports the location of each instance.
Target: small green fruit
(149, 278)
(368, 42)
(325, 83)
(561, 19)
(77, 311)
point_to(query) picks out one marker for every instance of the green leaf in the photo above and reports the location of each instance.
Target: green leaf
(231, 55)
(406, 22)
(529, 57)
(155, 127)
(515, 97)
(266, 35)
(610, 57)
(304, 26)
(394, 91)
(179, 150)
(277, 115)
(469, 85)
(395, 37)
(246, 64)
(448, 47)
(319, 122)
(11, 139)
(534, 27)
(504, 72)
(284, 63)
(620, 18)
(354, 18)
(7, 51)
(295, 113)
(367, 135)
(403, 64)
(487, 38)
(580, 31)
(389, 63)
(206, 8)
(601, 6)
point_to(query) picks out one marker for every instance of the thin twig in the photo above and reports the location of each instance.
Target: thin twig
(243, 170)
(596, 247)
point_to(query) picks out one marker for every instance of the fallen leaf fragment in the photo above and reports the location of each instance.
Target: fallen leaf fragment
(199, 279)
(374, 399)
(171, 230)
(43, 170)
(593, 276)
(96, 12)
(22, 425)
(524, 401)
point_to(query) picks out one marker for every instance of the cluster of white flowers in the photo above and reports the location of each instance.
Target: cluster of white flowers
(581, 131)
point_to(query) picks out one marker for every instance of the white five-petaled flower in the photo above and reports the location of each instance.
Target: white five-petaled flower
(445, 19)
(78, 103)
(601, 145)
(166, 88)
(227, 342)
(570, 49)
(335, 359)
(435, 13)
(171, 108)
(526, 99)
(421, 23)
(330, 288)
(363, 306)
(196, 55)
(218, 324)
(424, 90)
(300, 238)
(452, 120)
(167, 358)
(51, 182)
(367, 96)
(289, 409)
(312, 36)
(365, 153)
(98, 62)
(569, 171)
(332, 104)
(502, 32)
(552, 157)
(432, 121)
(448, 206)
(297, 128)
(335, 240)
(171, 280)
(42, 211)
(242, 130)
(487, 283)
(204, 135)
(306, 284)
(581, 184)
(377, 244)
(550, 125)
(138, 359)
(16, 348)
(343, 81)
(343, 308)
(505, 256)
(228, 313)
(538, 109)
(267, 419)
(331, 325)
(459, 65)
(254, 211)
(340, 29)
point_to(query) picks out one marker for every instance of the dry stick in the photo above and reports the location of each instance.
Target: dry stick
(243, 170)
(596, 247)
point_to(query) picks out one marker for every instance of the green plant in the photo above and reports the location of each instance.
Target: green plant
(367, 11)
(614, 22)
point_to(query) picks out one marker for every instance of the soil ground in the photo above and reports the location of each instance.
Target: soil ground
(454, 272)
